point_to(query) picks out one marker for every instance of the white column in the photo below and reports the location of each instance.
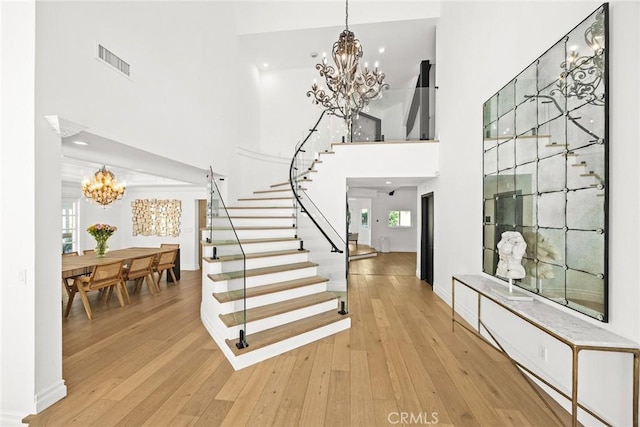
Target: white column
(30, 329)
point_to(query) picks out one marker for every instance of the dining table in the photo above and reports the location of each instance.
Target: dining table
(83, 264)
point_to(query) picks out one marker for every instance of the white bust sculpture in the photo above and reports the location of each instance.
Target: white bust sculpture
(511, 249)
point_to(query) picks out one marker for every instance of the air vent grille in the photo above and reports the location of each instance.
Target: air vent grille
(109, 58)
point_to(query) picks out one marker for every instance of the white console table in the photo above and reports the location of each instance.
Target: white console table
(576, 333)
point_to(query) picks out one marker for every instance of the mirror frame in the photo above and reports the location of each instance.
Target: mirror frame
(571, 119)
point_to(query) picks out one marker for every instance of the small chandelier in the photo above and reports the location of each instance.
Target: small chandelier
(103, 188)
(349, 88)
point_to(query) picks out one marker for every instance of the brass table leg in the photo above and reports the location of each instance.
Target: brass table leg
(636, 367)
(453, 304)
(574, 388)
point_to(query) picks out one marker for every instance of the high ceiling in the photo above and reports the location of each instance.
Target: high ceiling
(405, 43)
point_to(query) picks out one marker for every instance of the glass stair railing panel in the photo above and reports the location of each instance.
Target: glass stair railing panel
(228, 253)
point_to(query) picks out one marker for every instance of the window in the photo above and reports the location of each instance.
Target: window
(399, 219)
(69, 226)
(364, 219)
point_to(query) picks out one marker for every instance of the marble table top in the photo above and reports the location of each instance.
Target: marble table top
(570, 327)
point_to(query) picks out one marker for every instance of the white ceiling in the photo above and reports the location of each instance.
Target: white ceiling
(380, 184)
(130, 165)
(406, 44)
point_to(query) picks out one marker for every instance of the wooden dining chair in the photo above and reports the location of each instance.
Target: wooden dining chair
(166, 262)
(69, 286)
(138, 270)
(102, 277)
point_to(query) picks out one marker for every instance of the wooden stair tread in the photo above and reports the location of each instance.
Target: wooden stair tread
(280, 184)
(257, 217)
(230, 275)
(272, 288)
(247, 241)
(284, 190)
(236, 257)
(248, 199)
(259, 207)
(258, 227)
(265, 311)
(283, 332)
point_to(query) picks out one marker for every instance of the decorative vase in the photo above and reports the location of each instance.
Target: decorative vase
(101, 248)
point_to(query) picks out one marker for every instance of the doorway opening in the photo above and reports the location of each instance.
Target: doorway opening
(426, 238)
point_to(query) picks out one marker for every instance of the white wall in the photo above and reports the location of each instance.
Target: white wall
(192, 95)
(189, 238)
(287, 113)
(512, 36)
(400, 239)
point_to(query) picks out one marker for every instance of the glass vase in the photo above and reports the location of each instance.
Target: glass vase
(101, 248)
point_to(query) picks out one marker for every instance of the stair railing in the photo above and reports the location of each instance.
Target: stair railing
(227, 238)
(300, 167)
(334, 263)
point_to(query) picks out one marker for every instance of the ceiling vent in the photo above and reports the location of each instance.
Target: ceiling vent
(107, 57)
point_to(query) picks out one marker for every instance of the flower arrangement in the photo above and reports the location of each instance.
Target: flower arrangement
(101, 232)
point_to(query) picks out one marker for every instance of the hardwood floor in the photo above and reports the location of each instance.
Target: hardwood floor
(153, 363)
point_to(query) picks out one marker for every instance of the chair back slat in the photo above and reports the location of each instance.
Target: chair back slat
(167, 258)
(106, 274)
(141, 264)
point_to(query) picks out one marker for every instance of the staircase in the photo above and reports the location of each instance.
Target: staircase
(286, 303)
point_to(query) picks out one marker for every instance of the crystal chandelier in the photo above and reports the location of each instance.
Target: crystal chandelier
(349, 87)
(103, 188)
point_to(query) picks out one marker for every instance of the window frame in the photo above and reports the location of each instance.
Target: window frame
(400, 212)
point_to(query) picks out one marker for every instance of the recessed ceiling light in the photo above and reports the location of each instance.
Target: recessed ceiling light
(388, 182)
(80, 143)
(265, 65)
(381, 50)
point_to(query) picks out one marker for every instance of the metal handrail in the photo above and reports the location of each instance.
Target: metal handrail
(299, 149)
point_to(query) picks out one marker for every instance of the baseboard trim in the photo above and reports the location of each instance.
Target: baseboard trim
(50, 395)
(11, 420)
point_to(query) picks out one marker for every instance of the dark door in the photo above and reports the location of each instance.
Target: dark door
(426, 239)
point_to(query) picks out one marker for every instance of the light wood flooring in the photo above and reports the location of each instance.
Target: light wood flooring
(153, 363)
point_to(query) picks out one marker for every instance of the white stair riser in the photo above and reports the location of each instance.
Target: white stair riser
(277, 201)
(281, 319)
(265, 279)
(264, 353)
(272, 298)
(287, 221)
(288, 211)
(254, 234)
(252, 248)
(251, 263)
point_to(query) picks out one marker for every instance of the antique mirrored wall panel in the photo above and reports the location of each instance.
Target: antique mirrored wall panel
(545, 159)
